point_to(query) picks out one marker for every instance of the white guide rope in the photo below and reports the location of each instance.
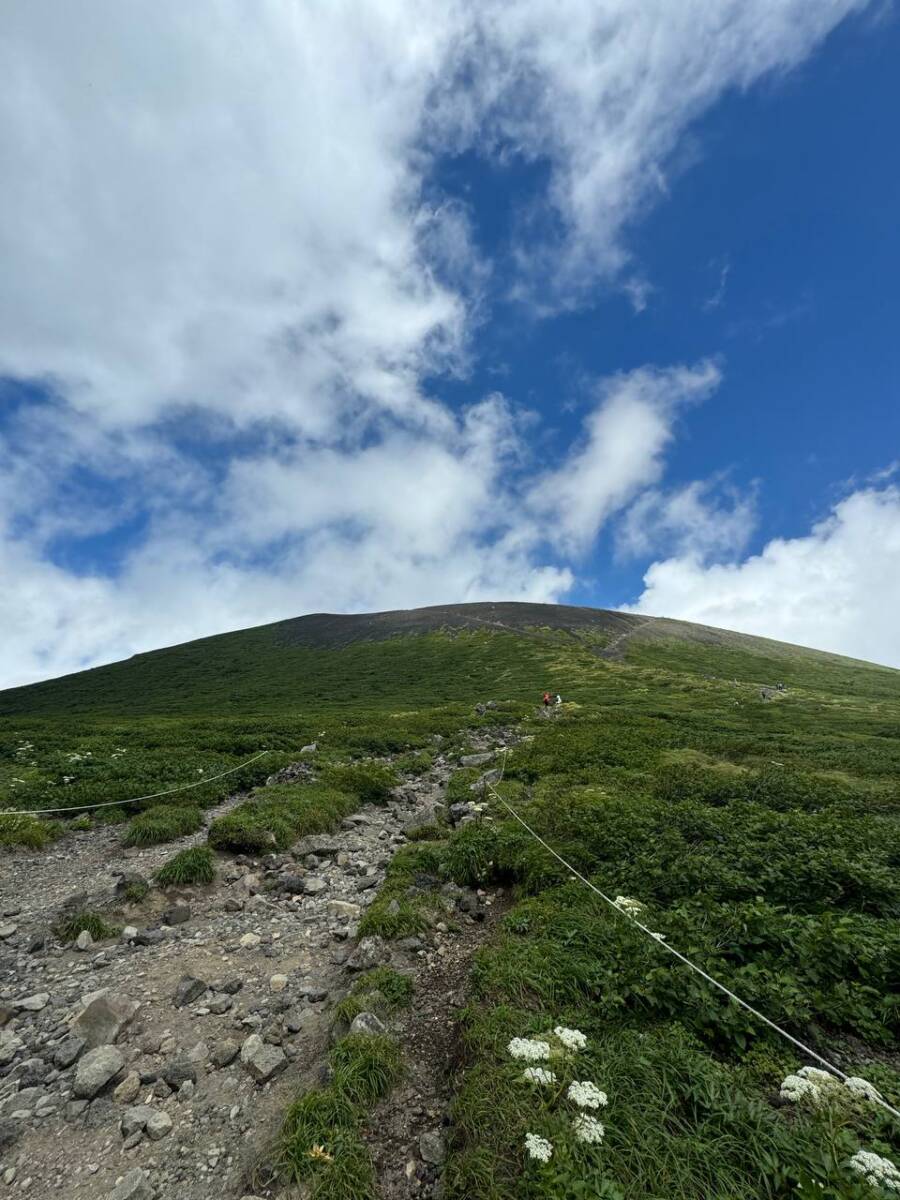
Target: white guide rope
(671, 949)
(184, 787)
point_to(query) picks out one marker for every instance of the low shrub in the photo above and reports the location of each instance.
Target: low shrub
(196, 865)
(34, 833)
(381, 990)
(365, 1066)
(408, 892)
(370, 783)
(135, 891)
(163, 823)
(276, 816)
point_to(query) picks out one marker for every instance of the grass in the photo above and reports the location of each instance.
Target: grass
(163, 823)
(32, 833)
(382, 990)
(70, 925)
(135, 891)
(196, 865)
(761, 837)
(320, 1145)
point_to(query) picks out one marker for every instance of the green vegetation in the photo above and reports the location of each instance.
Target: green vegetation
(320, 1144)
(163, 823)
(195, 865)
(274, 817)
(70, 925)
(135, 891)
(761, 837)
(382, 990)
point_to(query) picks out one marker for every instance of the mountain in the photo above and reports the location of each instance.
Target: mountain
(445, 652)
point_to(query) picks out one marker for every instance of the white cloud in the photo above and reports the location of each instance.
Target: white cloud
(837, 588)
(703, 519)
(222, 219)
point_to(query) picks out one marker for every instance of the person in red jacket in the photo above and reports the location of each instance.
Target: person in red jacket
(546, 699)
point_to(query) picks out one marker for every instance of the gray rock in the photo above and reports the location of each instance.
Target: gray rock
(9, 1133)
(159, 1123)
(7, 931)
(149, 937)
(177, 914)
(84, 941)
(476, 760)
(224, 1052)
(104, 1016)
(134, 1119)
(96, 1069)
(128, 1090)
(34, 1003)
(367, 1022)
(371, 952)
(343, 910)
(261, 1060)
(294, 885)
(431, 1147)
(128, 879)
(314, 885)
(219, 1003)
(175, 1073)
(133, 1186)
(189, 989)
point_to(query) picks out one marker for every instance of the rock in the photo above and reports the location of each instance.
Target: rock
(224, 1052)
(371, 952)
(177, 914)
(129, 933)
(233, 905)
(476, 760)
(294, 885)
(133, 1186)
(128, 1090)
(158, 1125)
(343, 910)
(134, 1119)
(175, 1073)
(34, 1003)
(67, 1050)
(189, 989)
(84, 941)
(310, 749)
(103, 1018)
(219, 1003)
(250, 941)
(458, 811)
(36, 944)
(198, 1054)
(32, 1072)
(149, 937)
(301, 1020)
(9, 1133)
(7, 931)
(186, 1091)
(314, 885)
(129, 879)
(367, 1022)
(261, 1061)
(96, 1069)
(278, 983)
(431, 1147)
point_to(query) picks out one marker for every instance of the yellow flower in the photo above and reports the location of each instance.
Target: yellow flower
(320, 1154)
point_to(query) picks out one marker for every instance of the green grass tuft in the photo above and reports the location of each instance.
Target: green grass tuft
(163, 823)
(34, 833)
(408, 895)
(276, 816)
(366, 1067)
(135, 891)
(380, 990)
(70, 925)
(196, 865)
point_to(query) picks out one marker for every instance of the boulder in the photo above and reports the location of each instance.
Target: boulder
(219, 1003)
(128, 1090)
(261, 1060)
(84, 941)
(476, 760)
(175, 1073)
(343, 910)
(133, 1186)
(96, 1069)
(103, 1018)
(177, 914)
(189, 989)
(294, 885)
(367, 1022)
(159, 1123)
(224, 1052)
(34, 1003)
(134, 1119)
(431, 1147)
(371, 952)
(314, 885)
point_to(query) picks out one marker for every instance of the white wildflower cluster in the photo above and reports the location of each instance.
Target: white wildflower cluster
(538, 1075)
(588, 1129)
(76, 757)
(572, 1039)
(879, 1172)
(538, 1147)
(586, 1094)
(660, 937)
(628, 906)
(862, 1088)
(529, 1049)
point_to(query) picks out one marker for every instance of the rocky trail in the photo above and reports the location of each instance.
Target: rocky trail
(159, 1063)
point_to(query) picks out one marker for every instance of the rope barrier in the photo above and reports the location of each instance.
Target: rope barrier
(40, 812)
(677, 953)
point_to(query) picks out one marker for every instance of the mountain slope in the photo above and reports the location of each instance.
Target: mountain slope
(447, 652)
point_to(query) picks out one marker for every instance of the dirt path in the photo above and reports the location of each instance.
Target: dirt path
(268, 943)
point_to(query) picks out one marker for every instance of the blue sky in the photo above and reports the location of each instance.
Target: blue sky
(586, 305)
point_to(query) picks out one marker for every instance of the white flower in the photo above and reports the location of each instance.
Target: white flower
(812, 1084)
(572, 1039)
(862, 1087)
(529, 1049)
(660, 937)
(586, 1094)
(538, 1075)
(629, 906)
(588, 1129)
(538, 1147)
(878, 1171)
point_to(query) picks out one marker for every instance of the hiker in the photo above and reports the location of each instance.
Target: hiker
(558, 699)
(546, 699)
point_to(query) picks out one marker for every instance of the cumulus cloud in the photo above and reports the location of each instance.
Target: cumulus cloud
(837, 588)
(227, 279)
(704, 519)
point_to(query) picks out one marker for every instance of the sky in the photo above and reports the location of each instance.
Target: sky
(345, 306)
